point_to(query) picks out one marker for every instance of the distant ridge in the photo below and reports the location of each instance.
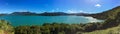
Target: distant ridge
(45, 14)
(23, 13)
(2, 14)
(53, 14)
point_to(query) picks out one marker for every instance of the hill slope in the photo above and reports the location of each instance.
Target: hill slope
(114, 30)
(107, 14)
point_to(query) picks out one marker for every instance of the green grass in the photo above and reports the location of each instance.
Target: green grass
(113, 30)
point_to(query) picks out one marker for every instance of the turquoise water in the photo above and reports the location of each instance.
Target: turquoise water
(39, 20)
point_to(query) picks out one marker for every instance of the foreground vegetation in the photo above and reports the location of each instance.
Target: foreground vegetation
(56, 28)
(6, 28)
(60, 28)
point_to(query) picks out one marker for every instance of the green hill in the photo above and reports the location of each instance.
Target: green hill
(107, 14)
(111, 24)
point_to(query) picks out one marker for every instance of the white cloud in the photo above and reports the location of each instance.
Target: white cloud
(98, 5)
(75, 11)
(55, 10)
(52, 10)
(71, 11)
(81, 11)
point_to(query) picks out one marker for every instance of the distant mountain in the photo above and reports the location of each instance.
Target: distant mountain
(47, 14)
(23, 13)
(79, 14)
(53, 14)
(2, 14)
(61, 14)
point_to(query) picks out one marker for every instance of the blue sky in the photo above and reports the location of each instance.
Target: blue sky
(69, 6)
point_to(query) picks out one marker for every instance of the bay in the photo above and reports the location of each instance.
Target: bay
(39, 20)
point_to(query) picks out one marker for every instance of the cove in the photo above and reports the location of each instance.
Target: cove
(39, 20)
